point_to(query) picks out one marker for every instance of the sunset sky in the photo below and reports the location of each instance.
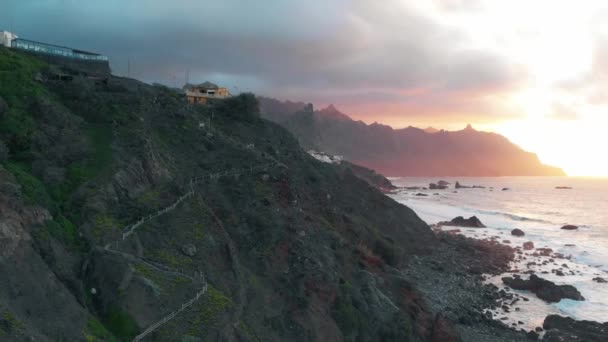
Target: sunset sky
(535, 71)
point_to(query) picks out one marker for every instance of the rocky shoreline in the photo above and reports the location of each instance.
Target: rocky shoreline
(461, 265)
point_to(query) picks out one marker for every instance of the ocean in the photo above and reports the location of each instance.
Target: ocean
(534, 205)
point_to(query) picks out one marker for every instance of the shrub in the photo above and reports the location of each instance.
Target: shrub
(121, 324)
(244, 107)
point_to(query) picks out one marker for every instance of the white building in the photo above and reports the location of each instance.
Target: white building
(6, 38)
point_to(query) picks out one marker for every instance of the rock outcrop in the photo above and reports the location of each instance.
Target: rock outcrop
(566, 329)
(569, 227)
(434, 186)
(544, 289)
(471, 222)
(517, 232)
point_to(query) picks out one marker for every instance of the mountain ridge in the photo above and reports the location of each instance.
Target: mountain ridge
(406, 151)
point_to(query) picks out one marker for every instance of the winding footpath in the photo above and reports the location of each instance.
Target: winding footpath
(199, 277)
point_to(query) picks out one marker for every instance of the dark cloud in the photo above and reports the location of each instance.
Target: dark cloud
(348, 51)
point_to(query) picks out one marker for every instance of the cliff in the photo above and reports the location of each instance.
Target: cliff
(122, 205)
(409, 151)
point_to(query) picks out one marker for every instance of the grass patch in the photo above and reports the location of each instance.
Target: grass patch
(104, 224)
(33, 189)
(96, 332)
(18, 87)
(65, 231)
(9, 324)
(121, 324)
(210, 308)
(172, 259)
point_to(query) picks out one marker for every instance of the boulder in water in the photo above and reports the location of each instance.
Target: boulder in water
(544, 289)
(471, 222)
(517, 232)
(434, 186)
(560, 329)
(528, 245)
(569, 227)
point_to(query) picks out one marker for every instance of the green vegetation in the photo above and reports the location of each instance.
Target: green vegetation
(210, 307)
(155, 276)
(18, 86)
(33, 189)
(150, 199)
(96, 332)
(172, 259)
(121, 324)
(248, 331)
(64, 230)
(99, 137)
(345, 314)
(104, 224)
(9, 324)
(199, 232)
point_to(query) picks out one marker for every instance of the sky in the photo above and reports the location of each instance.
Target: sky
(534, 71)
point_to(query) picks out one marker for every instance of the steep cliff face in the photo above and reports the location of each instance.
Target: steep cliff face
(122, 206)
(409, 151)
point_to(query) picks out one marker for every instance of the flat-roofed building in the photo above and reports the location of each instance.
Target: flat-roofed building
(202, 93)
(6, 38)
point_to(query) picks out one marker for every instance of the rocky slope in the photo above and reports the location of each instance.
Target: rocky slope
(405, 152)
(288, 248)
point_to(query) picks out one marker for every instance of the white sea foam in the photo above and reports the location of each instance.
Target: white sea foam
(536, 207)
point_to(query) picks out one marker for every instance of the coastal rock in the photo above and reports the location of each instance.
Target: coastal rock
(569, 227)
(505, 189)
(560, 329)
(421, 194)
(532, 335)
(471, 222)
(563, 188)
(517, 232)
(544, 289)
(544, 251)
(434, 186)
(460, 186)
(600, 280)
(528, 245)
(443, 183)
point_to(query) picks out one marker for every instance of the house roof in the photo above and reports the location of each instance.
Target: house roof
(204, 85)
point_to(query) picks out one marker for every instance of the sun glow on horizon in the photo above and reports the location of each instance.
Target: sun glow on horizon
(558, 44)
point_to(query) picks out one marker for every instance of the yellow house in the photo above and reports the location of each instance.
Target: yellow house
(202, 93)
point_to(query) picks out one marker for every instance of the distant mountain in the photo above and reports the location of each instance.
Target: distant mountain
(405, 152)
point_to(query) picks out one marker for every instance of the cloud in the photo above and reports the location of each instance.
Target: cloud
(356, 51)
(591, 86)
(560, 111)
